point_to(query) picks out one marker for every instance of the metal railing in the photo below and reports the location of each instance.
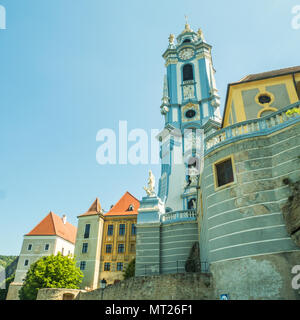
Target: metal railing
(252, 127)
(179, 215)
(173, 267)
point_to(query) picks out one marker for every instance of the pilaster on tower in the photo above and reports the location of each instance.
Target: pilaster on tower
(164, 108)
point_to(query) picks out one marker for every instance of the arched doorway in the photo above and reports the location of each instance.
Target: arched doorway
(68, 296)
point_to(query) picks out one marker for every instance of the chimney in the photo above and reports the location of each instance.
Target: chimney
(64, 218)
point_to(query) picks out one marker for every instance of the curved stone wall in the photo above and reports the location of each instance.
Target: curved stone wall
(177, 240)
(245, 219)
(263, 277)
(164, 248)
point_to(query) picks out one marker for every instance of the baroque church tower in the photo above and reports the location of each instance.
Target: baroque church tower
(190, 103)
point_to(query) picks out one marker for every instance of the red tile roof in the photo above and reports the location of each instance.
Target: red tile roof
(122, 206)
(95, 208)
(52, 225)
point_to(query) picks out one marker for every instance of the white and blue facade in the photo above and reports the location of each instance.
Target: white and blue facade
(190, 100)
(167, 224)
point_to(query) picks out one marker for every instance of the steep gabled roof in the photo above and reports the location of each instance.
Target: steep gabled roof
(94, 209)
(53, 225)
(122, 206)
(269, 74)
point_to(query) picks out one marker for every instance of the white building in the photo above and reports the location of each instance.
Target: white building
(52, 235)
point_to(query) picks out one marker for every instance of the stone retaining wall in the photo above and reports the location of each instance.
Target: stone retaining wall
(182, 286)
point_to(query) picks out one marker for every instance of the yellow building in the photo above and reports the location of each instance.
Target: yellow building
(119, 238)
(105, 242)
(259, 95)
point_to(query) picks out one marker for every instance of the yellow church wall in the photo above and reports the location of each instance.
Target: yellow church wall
(297, 77)
(235, 109)
(297, 80)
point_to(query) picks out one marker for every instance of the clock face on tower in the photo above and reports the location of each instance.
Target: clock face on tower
(186, 54)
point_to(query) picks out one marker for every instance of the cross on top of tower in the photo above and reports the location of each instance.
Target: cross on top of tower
(187, 26)
(186, 19)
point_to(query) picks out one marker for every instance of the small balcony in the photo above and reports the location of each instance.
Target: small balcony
(176, 216)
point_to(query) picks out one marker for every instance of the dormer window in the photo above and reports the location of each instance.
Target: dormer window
(131, 207)
(188, 73)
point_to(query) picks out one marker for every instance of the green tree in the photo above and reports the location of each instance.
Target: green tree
(293, 111)
(50, 272)
(5, 261)
(130, 270)
(3, 292)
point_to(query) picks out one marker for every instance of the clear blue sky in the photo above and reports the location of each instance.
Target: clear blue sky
(69, 68)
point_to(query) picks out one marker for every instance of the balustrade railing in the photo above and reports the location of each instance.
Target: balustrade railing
(179, 215)
(252, 127)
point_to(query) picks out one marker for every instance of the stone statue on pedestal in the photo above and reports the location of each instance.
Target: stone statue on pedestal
(151, 185)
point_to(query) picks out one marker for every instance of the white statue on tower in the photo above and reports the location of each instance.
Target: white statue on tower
(151, 185)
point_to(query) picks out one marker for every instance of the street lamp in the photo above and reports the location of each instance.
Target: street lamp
(102, 287)
(103, 284)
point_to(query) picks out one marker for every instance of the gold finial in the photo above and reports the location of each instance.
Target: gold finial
(200, 33)
(171, 38)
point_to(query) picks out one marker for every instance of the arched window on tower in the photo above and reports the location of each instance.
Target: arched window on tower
(188, 73)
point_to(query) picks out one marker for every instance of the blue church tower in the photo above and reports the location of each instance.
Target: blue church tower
(167, 224)
(190, 102)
